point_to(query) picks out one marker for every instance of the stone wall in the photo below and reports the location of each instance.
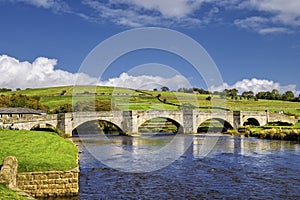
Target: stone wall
(49, 184)
(8, 172)
(39, 184)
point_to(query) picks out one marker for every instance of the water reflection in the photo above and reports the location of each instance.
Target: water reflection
(236, 168)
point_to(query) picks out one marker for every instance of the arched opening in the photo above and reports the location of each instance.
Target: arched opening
(44, 127)
(216, 125)
(251, 122)
(97, 127)
(160, 125)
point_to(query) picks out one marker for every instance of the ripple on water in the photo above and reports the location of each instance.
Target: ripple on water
(235, 169)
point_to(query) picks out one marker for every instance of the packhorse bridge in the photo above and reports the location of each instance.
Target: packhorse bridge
(188, 121)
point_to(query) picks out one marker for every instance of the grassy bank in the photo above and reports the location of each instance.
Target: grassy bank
(6, 194)
(289, 133)
(37, 150)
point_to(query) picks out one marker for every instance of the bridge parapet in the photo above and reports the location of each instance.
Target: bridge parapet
(30, 119)
(276, 117)
(129, 121)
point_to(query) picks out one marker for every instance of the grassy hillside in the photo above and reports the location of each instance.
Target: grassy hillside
(127, 99)
(37, 150)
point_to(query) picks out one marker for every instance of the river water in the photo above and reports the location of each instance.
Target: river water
(236, 168)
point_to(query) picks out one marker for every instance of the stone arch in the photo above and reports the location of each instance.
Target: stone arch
(226, 125)
(44, 127)
(251, 121)
(91, 127)
(175, 122)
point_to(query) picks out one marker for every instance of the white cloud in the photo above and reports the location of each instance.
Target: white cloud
(256, 85)
(284, 11)
(39, 73)
(146, 82)
(254, 22)
(260, 25)
(56, 5)
(280, 16)
(167, 8)
(136, 13)
(274, 30)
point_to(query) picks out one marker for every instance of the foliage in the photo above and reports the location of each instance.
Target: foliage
(248, 95)
(19, 100)
(291, 133)
(37, 150)
(90, 105)
(5, 90)
(165, 89)
(64, 108)
(6, 194)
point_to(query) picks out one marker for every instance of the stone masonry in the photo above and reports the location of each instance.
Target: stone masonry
(49, 184)
(39, 184)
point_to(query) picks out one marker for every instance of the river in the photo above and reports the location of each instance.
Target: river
(236, 168)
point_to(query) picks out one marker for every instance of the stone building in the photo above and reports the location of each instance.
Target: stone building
(13, 113)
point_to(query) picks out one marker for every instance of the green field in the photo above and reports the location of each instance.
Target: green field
(127, 99)
(6, 194)
(37, 150)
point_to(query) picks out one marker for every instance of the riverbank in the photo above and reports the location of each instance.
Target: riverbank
(48, 159)
(288, 133)
(38, 150)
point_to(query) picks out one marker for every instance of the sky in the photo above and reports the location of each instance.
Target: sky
(255, 44)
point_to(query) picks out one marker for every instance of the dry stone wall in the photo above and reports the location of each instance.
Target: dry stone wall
(40, 184)
(49, 184)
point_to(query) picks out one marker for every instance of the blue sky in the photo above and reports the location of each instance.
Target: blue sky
(254, 43)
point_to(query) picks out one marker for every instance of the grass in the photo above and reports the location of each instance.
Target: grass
(37, 150)
(6, 194)
(125, 99)
(291, 133)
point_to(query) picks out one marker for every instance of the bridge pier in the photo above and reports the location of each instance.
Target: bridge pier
(129, 123)
(65, 123)
(188, 122)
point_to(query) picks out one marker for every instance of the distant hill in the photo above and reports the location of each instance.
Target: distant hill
(129, 99)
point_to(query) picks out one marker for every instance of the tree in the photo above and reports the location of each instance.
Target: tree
(276, 94)
(5, 90)
(231, 93)
(63, 92)
(248, 95)
(165, 89)
(65, 108)
(288, 96)
(181, 90)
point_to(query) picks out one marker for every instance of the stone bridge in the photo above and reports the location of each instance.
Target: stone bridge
(188, 121)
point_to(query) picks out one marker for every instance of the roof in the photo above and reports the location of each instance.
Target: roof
(20, 111)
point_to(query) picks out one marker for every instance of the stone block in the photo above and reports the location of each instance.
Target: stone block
(54, 176)
(67, 175)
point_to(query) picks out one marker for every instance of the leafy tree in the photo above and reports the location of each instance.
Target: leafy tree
(288, 96)
(276, 94)
(65, 108)
(248, 95)
(233, 93)
(63, 92)
(165, 89)
(181, 90)
(208, 98)
(5, 90)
